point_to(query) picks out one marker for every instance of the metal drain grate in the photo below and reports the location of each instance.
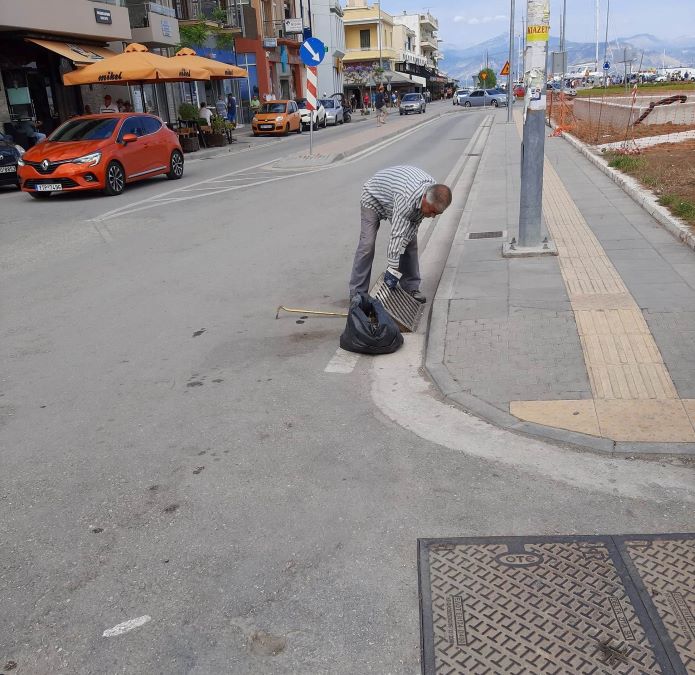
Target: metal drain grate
(567, 604)
(402, 308)
(486, 235)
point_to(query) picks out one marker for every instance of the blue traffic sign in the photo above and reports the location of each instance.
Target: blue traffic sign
(312, 52)
(606, 66)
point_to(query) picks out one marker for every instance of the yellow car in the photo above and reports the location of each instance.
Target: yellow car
(277, 117)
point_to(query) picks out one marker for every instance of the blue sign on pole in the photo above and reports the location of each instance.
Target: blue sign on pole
(606, 66)
(312, 52)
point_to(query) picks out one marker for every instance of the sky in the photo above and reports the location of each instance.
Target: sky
(463, 23)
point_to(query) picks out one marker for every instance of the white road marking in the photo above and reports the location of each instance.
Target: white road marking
(342, 362)
(127, 625)
(167, 197)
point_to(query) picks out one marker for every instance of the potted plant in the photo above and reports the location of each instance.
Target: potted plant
(218, 137)
(188, 135)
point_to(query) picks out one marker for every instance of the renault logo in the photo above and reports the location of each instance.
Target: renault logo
(45, 164)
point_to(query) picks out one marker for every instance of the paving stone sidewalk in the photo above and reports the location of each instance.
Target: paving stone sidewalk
(595, 346)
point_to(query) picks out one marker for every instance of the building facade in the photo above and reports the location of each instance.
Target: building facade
(40, 41)
(424, 27)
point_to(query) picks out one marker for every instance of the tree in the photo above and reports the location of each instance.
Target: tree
(195, 35)
(490, 79)
(357, 75)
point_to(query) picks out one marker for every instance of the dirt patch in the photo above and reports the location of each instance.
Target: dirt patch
(668, 170)
(593, 133)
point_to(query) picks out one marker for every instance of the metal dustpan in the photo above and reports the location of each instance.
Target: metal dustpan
(401, 306)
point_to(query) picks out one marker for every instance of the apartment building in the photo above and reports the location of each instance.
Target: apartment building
(424, 27)
(40, 40)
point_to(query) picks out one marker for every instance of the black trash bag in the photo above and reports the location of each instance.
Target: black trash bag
(369, 328)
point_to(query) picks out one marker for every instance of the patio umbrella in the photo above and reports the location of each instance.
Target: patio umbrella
(136, 65)
(218, 71)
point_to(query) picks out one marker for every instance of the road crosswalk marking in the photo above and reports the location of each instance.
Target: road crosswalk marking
(342, 362)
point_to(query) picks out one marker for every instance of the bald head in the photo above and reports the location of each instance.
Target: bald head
(436, 200)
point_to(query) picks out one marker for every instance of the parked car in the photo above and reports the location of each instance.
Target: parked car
(458, 93)
(483, 97)
(411, 103)
(519, 90)
(334, 111)
(277, 117)
(557, 86)
(9, 156)
(319, 114)
(101, 152)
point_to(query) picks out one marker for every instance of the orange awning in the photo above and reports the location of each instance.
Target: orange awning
(75, 51)
(136, 65)
(217, 69)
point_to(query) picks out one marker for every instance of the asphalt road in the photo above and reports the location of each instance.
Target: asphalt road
(173, 453)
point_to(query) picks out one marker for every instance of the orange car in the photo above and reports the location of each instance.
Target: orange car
(101, 152)
(277, 117)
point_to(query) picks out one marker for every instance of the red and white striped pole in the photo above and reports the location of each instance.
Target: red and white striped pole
(312, 89)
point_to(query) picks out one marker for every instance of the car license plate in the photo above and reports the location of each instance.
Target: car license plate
(266, 126)
(8, 169)
(49, 187)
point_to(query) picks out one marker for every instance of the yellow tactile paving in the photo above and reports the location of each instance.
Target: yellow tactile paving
(621, 355)
(645, 421)
(572, 415)
(634, 398)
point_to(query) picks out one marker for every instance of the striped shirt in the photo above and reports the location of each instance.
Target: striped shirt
(396, 194)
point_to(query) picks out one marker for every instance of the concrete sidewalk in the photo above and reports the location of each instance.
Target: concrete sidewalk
(594, 347)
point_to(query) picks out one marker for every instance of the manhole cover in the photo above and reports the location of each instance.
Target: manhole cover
(570, 605)
(485, 235)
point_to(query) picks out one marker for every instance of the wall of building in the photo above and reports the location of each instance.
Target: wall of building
(67, 17)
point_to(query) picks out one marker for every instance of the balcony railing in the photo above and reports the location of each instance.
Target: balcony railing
(140, 14)
(428, 18)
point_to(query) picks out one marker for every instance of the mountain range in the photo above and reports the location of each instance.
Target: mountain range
(650, 50)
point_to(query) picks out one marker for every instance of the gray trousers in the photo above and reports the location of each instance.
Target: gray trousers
(408, 264)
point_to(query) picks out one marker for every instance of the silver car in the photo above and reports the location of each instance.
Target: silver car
(483, 97)
(334, 111)
(411, 103)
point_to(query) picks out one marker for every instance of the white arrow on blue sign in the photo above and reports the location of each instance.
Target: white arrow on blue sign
(312, 52)
(606, 66)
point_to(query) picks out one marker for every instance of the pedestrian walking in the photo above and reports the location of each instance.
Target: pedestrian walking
(231, 108)
(365, 100)
(403, 195)
(380, 104)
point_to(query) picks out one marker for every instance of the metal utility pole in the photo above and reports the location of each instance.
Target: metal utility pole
(510, 93)
(381, 63)
(532, 149)
(596, 23)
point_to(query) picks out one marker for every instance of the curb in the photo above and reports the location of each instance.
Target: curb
(454, 393)
(639, 194)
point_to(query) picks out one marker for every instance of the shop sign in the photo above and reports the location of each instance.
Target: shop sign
(294, 26)
(270, 43)
(166, 28)
(102, 15)
(538, 33)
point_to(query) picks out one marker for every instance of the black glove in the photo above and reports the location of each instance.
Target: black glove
(391, 277)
